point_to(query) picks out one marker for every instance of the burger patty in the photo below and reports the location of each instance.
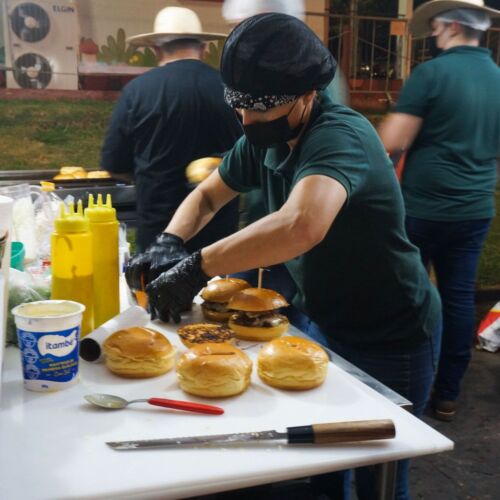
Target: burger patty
(266, 319)
(216, 306)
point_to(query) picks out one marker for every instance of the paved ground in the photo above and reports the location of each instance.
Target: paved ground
(472, 470)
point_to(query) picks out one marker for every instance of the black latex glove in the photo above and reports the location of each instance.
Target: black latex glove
(173, 291)
(167, 250)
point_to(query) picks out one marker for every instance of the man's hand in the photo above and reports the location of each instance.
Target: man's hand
(173, 291)
(162, 255)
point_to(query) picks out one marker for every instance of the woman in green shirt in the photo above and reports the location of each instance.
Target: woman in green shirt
(448, 118)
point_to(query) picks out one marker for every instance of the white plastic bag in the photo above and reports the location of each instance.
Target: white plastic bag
(24, 287)
(488, 333)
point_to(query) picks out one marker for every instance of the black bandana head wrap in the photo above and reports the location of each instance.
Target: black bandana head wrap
(271, 59)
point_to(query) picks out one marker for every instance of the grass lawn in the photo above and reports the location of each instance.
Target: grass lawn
(49, 134)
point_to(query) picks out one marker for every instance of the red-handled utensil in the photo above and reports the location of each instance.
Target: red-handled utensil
(116, 403)
(183, 405)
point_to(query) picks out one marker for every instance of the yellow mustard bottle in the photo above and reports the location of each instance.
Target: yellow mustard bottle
(71, 256)
(104, 229)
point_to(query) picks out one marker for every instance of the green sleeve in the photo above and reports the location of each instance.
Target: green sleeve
(416, 94)
(337, 152)
(240, 169)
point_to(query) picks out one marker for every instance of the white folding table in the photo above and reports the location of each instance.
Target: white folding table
(52, 445)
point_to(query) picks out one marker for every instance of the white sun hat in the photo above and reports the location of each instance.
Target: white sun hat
(237, 10)
(174, 23)
(420, 22)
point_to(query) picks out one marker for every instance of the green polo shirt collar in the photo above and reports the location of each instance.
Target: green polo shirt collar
(466, 49)
(279, 159)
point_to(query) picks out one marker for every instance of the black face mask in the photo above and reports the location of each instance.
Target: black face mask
(272, 133)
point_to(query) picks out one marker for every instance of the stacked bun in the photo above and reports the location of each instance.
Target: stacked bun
(216, 296)
(138, 352)
(67, 173)
(214, 370)
(292, 363)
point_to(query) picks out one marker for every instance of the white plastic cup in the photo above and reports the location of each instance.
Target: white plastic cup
(49, 332)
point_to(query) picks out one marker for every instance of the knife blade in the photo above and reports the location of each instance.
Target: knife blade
(336, 432)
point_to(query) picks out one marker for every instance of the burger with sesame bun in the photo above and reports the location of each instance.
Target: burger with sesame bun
(216, 296)
(256, 314)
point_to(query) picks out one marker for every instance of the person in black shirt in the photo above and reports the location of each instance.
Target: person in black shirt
(167, 118)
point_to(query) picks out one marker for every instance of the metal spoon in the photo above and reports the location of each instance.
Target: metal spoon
(116, 403)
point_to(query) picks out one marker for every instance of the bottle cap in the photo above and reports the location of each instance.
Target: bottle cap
(100, 212)
(72, 222)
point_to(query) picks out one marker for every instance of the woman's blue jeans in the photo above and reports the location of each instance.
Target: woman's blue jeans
(410, 374)
(453, 248)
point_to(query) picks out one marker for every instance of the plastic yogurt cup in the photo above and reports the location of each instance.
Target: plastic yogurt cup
(49, 332)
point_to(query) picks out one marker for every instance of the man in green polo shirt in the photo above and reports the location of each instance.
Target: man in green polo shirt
(448, 118)
(335, 215)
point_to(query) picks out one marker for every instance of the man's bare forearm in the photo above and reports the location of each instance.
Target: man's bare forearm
(199, 207)
(398, 131)
(271, 240)
(300, 224)
(192, 216)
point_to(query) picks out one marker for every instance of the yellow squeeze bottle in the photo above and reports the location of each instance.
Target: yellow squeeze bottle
(71, 256)
(104, 229)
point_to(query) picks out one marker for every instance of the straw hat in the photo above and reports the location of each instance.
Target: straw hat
(420, 22)
(174, 23)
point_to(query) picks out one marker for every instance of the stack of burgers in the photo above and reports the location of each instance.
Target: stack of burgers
(251, 313)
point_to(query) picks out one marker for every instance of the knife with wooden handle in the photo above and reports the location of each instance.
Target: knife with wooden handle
(336, 432)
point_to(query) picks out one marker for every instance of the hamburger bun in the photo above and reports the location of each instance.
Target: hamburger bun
(138, 352)
(257, 300)
(201, 333)
(80, 175)
(198, 170)
(259, 333)
(63, 177)
(99, 174)
(292, 363)
(255, 319)
(214, 370)
(223, 289)
(71, 170)
(216, 296)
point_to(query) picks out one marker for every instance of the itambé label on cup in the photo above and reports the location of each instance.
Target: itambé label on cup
(49, 359)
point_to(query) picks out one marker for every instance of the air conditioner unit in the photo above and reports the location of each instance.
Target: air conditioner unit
(41, 46)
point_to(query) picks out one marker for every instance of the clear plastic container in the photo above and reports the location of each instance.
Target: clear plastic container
(23, 217)
(46, 211)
